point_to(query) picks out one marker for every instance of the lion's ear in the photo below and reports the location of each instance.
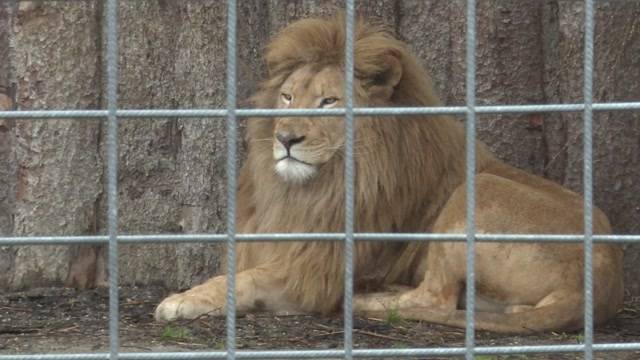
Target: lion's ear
(392, 74)
(381, 84)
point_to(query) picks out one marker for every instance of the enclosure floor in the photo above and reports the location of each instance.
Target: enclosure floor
(68, 321)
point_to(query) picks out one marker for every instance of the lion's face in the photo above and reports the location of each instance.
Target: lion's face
(301, 145)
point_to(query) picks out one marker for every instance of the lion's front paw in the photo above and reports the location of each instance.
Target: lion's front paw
(186, 306)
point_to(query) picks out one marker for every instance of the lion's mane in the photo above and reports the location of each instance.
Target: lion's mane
(406, 168)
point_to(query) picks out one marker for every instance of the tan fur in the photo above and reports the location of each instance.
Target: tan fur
(409, 178)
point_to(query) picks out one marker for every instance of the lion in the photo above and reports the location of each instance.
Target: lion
(410, 178)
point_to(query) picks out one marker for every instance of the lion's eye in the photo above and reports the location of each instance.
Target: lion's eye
(328, 101)
(286, 97)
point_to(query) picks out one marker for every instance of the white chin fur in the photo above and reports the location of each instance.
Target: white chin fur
(294, 171)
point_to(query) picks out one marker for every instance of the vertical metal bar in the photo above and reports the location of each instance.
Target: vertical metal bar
(588, 179)
(471, 169)
(231, 178)
(349, 181)
(112, 171)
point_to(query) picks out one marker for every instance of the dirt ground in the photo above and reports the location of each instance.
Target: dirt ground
(68, 321)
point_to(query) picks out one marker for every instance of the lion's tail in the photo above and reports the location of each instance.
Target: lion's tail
(559, 316)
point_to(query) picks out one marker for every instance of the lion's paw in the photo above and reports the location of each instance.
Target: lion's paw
(185, 306)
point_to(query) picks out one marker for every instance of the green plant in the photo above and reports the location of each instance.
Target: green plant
(393, 317)
(218, 345)
(175, 333)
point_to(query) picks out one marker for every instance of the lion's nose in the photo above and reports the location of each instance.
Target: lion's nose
(288, 140)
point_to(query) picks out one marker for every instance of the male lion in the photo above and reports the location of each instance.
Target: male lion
(410, 177)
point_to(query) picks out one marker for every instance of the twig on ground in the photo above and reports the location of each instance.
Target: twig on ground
(13, 308)
(387, 337)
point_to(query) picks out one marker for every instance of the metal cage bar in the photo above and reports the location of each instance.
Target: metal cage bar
(111, 15)
(470, 179)
(113, 115)
(325, 354)
(123, 114)
(231, 178)
(349, 174)
(588, 179)
(187, 238)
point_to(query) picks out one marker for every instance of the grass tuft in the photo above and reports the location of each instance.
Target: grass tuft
(393, 317)
(175, 333)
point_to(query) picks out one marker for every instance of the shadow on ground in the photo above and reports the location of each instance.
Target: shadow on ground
(55, 320)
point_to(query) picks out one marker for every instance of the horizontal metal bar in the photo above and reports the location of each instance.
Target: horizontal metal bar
(189, 238)
(221, 113)
(52, 114)
(324, 354)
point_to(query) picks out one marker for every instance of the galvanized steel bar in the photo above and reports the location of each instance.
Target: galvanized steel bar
(395, 111)
(325, 354)
(470, 178)
(231, 178)
(349, 175)
(588, 178)
(111, 15)
(53, 114)
(193, 238)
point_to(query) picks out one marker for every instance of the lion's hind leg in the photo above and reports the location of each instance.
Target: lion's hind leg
(403, 297)
(560, 310)
(380, 302)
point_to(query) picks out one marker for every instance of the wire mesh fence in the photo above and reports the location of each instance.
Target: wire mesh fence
(113, 115)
